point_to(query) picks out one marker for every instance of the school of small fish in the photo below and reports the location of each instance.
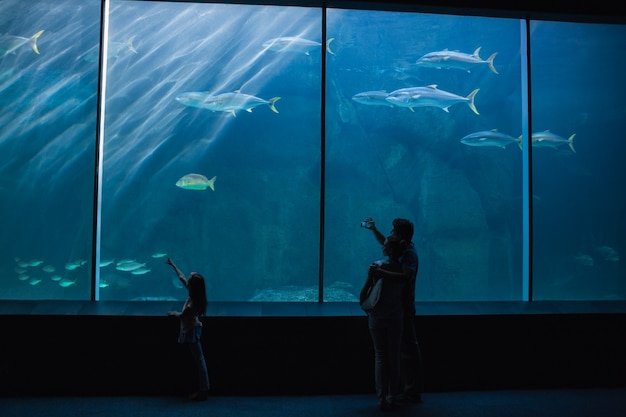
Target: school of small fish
(35, 271)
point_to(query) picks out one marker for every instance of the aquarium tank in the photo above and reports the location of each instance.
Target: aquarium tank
(248, 143)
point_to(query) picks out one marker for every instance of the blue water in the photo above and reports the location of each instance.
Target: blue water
(257, 235)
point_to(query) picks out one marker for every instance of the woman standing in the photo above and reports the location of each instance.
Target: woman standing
(191, 326)
(386, 321)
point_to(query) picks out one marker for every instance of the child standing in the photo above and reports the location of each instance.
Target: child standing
(191, 326)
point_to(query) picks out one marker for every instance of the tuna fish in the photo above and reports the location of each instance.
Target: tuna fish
(228, 102)
(454, 59)
(429, 96)
(490, 138)
(9, 43)
(547, 139)
(295, 44)
(372, 98)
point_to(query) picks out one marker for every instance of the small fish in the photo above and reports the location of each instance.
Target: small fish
(583, 259)
(607, 253)
(66, 283)
(103, 283)
(196, 182)
(9, 43)
(129, 266)
(56, 278)
(159, 255)
(547, 139)
(490, 138)
(70, 266)
(372, 98)
(140, 271)
(227, 102)
(454, 59)
(34, 281)
(295, 44)
(176, 282)
(48, 268)
(429, 96)
(114, 49)
(106, 262)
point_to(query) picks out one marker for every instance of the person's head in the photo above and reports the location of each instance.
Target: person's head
(403, 228)
(197, 291)
(393, 247)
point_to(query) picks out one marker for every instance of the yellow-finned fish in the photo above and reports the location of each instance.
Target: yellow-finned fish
(454, 59)
(429, 96)
(196, 182)
(490, 138)
(9, 43)
(547, 139)
(228, 102)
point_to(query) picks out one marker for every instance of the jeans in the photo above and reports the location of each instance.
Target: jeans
(387, 338)
(198, 358)
(412, 369)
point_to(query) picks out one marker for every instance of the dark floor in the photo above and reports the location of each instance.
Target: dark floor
(540, 403)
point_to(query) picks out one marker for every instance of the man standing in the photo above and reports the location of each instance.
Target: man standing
(412, 370)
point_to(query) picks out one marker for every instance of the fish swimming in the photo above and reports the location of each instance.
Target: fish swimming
(295, 44)
(490, 138)
(454, 59)
(129, 266)
(607, 253)
(372, 98)
(228, 102)
(196, 182)
(429, 96)
(114, 49)
(547, 139)
(9, 43)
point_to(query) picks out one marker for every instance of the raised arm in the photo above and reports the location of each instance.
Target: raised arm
(181, 276)
(377, 234)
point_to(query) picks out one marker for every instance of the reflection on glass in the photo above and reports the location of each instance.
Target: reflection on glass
(212, 151)
(423, 122)
(578, 171)
(47, 142)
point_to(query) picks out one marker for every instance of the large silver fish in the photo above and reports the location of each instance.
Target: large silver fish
(490, 138)
(9, 43)
(547, 139)
(295, 44)
(196, 182)
(228, 102)
(454, 59)
(372, 98)
(429, 96)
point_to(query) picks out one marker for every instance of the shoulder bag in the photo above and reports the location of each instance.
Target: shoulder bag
(373, 296)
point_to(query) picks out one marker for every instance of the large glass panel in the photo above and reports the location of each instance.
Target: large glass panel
(48, 92)
(212, 151)
(446, 157)
(579, 177)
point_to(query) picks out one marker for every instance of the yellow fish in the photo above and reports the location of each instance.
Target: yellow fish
(196, 182)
